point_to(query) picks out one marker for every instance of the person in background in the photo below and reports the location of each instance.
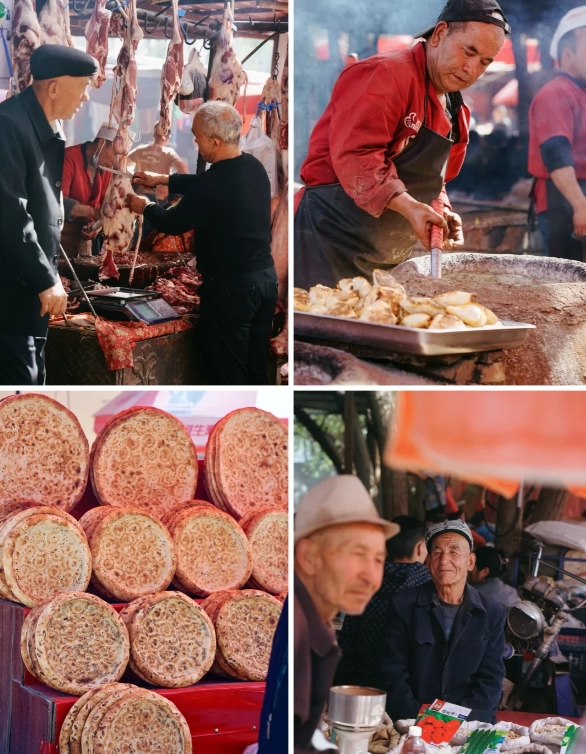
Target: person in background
(158, 158)
(486, 576)
(444, 640)
(352, 58)
(339, 557)
(361, 635)
(557, 142)
(85, 184)
(32, 206)
(229, 209)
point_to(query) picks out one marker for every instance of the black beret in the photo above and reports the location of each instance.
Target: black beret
(52, 61)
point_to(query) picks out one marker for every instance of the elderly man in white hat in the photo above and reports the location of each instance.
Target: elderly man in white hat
(557, 142)
(339, 560)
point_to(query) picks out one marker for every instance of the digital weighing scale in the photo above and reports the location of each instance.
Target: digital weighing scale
(132, 304)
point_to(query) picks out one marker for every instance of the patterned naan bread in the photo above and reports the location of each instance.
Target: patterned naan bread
(212, 605)
(246, 462)
(144, 458)
(93, 517)
(133, 554)
(172, 640)
(15, 519)
(97, 714)
(9, 507)
(268, 534)
(65, 732)
(245, 627)
(92, 700)
(283, 596)
(44, 454)
(182, 507)
(45, 555)
(143, 721)
(76, 642)
(213, 552)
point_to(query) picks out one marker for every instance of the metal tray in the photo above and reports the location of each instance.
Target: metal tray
(412, 340)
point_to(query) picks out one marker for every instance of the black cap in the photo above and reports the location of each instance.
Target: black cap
(469, 10)
(51, 61)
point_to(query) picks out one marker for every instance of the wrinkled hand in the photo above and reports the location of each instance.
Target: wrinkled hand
(580, 221)
(53, 300)
(421, 216)
(88, 233)
(136, 203)
(455, 233)
(150, 179)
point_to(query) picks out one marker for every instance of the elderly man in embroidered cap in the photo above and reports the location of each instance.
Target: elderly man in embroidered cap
(444, 640)
(339, 560)
(32, 147)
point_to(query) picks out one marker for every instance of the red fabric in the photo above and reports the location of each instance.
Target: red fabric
(558, 109)
(376, 108)
(76, 182)
(451, 505)
(478, 539)
(161, 242)
(117, 339)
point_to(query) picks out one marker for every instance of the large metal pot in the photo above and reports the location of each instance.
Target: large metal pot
(356, 706)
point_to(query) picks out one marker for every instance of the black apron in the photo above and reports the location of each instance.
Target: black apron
(335, 239)
(560, 215)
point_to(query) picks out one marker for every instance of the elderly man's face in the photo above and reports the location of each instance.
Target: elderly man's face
(348, 562)
(449, 559)
(208, 147)
(463, 55)
(68, 93)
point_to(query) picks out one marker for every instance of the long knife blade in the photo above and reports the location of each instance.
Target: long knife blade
(117, 172)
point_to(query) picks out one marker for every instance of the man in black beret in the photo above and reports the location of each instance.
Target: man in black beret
(32, 149)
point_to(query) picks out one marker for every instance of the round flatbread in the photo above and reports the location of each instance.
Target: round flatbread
(28, 628)
(182, 507)
(44, 555)
(212, 605)
(133, 554)
(144, 459)
(44, 453)
(283, 596)
(98, 713)
(14, 519)
(213, 552)
(65, 732)
(8, 507)
(143, 721)
(268, 534)
(245, 627)
(80, 643)
(85, 711)
(250, 461)
(93, 517)
(172, 640)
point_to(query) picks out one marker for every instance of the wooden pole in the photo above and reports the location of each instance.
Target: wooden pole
(349, 414)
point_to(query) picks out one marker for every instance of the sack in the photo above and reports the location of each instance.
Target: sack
(550, 730)
(465, 729)
(528, 748)
(511, 744)
(193, 84)
(261, 146)
(570, 534)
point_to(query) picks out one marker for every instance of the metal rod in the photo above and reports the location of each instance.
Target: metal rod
(257, 48)
(77, 280)
(561, 570)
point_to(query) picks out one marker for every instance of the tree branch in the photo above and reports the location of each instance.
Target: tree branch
(321, 438)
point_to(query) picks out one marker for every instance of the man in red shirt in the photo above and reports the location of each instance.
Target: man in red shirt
(394, 132)
(557, 143)
(84, 184)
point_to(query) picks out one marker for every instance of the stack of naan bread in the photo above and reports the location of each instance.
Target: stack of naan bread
(387, 303)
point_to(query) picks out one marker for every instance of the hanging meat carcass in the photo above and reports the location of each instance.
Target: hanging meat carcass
(171, 74)
(227, 75)
(26, 37)
(96, 35)
(117, 218)
(272, 95)
(193, 84)
(54, 21)
(284, 130)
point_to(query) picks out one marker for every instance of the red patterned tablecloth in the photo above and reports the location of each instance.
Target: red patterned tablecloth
(117, 339)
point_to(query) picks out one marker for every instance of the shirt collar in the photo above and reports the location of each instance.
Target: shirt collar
(38, 117)
(579, 83)
(428, 594)
(322, 638)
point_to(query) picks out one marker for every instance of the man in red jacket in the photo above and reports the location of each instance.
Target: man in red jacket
(394, 132)
(557, 142)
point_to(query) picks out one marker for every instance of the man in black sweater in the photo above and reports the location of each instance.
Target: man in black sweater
(229, 208)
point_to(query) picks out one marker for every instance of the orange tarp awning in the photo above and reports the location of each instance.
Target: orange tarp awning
(495, 439)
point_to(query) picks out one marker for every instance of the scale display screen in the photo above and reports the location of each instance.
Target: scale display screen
(157, 310)
(145, 311)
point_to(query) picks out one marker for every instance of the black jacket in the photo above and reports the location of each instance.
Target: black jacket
(31, 213)
(418, 665)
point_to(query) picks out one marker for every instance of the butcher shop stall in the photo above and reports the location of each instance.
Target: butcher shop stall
(132, 315)
(158, 592)
(509, 465)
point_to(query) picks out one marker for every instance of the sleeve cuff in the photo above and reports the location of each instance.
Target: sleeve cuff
(376, 201)
(556, 153)
(68, 205)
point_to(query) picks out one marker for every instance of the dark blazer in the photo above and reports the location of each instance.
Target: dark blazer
(418, 664)
(31, 213)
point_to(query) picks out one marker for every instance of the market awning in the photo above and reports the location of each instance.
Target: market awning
(508, 95)
(493, 439)
(198, 410)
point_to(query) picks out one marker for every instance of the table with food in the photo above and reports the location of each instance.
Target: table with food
(140, 586)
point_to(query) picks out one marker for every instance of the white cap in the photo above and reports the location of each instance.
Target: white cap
(574, 19)
(105, 132)
(415, 730)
